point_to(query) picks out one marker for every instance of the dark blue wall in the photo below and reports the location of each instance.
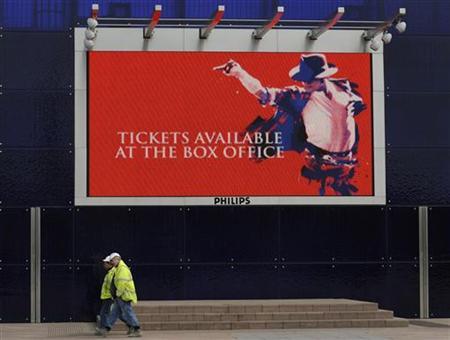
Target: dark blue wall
(15, 265)
(232, 253)
(368, 253)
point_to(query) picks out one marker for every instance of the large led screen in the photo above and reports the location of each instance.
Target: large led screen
(229, 124)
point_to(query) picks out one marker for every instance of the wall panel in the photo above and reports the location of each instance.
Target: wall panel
(36, 61)
(439, 233)
(86, 286)
(302, 281)
(231, 234)
(158, 234)
(41, 177)
(46, 119)
(57, 236)
(402, 234)
(418, 176)
(419, 121)
(423, 70)
(308, 233)
(358, 237)
(402, 295)
(15, 264)
(14, 293)
(233, 281)
(57, 295)
(159, 282)
(15, 236)
(361, 281)
(439, 274)
(100, 231)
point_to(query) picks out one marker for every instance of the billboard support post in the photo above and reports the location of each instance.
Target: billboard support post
(260, 32)
(150, 29)
(315, 33)
(206, 31)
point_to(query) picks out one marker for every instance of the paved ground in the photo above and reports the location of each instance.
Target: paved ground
(434, 329)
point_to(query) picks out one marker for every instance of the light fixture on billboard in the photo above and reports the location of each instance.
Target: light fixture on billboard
(89, 44)
(92, 23)
(387, 37)
(396, 21)
(401, 27)
(375, 44)
(89, 34)
(91, 30)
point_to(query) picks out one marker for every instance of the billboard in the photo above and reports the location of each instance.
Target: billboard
(177, 124)
(183, 125)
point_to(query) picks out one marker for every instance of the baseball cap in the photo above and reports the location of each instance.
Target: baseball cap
(113, 255)
(107, 259)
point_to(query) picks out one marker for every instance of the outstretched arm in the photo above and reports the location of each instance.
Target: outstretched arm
(253, 85)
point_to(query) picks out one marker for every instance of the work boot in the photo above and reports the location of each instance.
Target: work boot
(101, 332)
(135, 333)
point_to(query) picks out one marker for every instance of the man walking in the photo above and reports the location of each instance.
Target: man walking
(106, 298)
(124, 293)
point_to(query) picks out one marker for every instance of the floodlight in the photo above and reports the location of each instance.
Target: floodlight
(90, 34)
(375, 44)
(387, 37)
(401, 26)
(92, 23)
(89, 44)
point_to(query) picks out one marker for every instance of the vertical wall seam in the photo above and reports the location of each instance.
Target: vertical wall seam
(423, 263)
(38, 265)
(32, 265)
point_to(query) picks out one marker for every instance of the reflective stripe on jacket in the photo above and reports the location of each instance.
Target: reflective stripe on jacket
(106, 287)
(123, 280)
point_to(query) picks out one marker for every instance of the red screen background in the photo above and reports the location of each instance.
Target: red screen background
(179, 91)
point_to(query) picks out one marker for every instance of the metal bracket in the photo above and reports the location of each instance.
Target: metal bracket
(206, 31)
(150, 29)
(260, 32)
(315, 33)
(370, 34)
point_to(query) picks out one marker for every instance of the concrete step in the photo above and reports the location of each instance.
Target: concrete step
(278, 324)
(344, 315)
(262, 314)
(254, 306)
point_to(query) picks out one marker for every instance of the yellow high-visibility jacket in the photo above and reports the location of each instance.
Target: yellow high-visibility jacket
(106, 287)
(123, 280)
